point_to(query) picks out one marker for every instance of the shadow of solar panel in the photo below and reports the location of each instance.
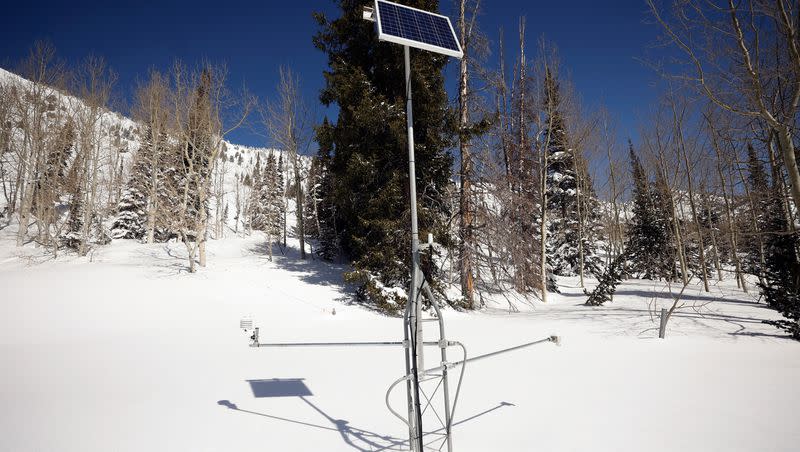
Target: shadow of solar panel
(279, 387)
(416, 28)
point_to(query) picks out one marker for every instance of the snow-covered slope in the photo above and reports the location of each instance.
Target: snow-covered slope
(121, 135)
(125, 351)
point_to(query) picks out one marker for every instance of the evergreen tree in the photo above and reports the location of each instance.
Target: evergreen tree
(153, 164)
(608, 281)
(760, 192)
(563, 185)
(781, 287)
(170, 180)
(131, 219)
(329, 246)
(662, 211)
(648, 246)
(131, 216)
(368, 170)
(72, 237)
(270, 199)
(710, 218)
(256, 209)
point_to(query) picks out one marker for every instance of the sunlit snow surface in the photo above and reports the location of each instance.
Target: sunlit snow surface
(125, 351)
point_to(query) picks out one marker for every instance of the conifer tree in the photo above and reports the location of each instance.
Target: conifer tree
(562, 183)
(781, 287)
(760, 192)
(368, 168)
(648, 239)
(131, 219)
(608, 281)
(269, 210)
(662, 212)
(72, 237)
(255, 207)
(131, 216)
(329, 246)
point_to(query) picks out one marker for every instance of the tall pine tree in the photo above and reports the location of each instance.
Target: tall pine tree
(369, 168)
(255, 208)
(648, 245)
(781, 286)
(131, 219)
(758, 212)
(565, 187)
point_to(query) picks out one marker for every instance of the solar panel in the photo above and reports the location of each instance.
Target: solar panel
(416, 28)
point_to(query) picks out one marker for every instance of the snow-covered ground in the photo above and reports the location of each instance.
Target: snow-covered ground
(124, 351)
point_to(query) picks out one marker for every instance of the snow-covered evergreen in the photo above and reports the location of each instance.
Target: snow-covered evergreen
(571, 198)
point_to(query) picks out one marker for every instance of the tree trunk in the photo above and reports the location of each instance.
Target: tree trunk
(713, 235)
(578, 182)
(695, 218)
(754, 225)
(301, 227)
(676, 229)
(467, 242)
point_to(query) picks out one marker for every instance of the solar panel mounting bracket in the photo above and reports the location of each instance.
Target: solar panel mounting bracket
(368, 14)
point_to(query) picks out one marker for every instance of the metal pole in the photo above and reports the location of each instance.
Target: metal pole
(554, 339)
(339, 344)
(416, 309)
(662, 328)
(412, 186)
(445, 383)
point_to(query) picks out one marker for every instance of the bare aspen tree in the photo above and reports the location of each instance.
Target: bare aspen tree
(581, 257)
(728, 61)
(199, 101)
(238, 205)
(32, 103)
(6, 130)
(583, 130)
(616, 239)
(504, 190)
(151, 110)
(678, 124)
(114, 168)
(706, 205)
(658, 144)
(753, 217)
(732, 239)
(502, 112)
(94, 88)
(218, 192)
(779, 181)
(287, 120)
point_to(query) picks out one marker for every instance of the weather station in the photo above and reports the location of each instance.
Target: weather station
(411, 27)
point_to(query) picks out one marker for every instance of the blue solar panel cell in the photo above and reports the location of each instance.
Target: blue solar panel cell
(420, 28)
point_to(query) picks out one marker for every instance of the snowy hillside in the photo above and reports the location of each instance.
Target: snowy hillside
(120, 139)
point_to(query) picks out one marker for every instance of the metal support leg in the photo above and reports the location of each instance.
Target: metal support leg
(445, 381)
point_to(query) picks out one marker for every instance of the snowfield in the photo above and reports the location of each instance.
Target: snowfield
(124, 351)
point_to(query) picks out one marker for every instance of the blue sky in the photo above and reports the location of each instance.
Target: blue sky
(599, 42)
